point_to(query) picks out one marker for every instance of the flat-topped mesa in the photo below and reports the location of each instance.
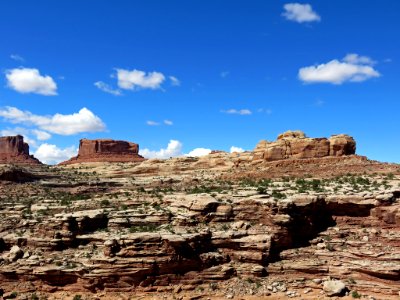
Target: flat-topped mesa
(13, 150)
(295, 145)
(105, 150)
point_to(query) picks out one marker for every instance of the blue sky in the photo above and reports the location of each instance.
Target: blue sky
(204, 74)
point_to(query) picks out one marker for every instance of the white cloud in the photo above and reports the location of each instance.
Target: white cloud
(107, 88)
(174, 81)
(24, 80)
(152, 123)
(352, 68)
(238, 111)
(136, 79)
(353, 58)
(300, 13)
(236, 149)
(51, 154)
(82, 121)
(41, 135)
(199, 152)
(168, 122)
(17, 57)
(173, 149)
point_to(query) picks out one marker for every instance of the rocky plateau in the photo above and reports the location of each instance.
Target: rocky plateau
(297, 218)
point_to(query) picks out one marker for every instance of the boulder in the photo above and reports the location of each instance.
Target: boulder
(342, 144)
(13, 150)
(334, 288)
(15, 253)
(106, 150)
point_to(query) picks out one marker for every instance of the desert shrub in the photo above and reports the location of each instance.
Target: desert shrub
(105, 202)
(278, 195)
(355, 294)
(143, 228)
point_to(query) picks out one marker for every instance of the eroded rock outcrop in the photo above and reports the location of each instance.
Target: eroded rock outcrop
(106, 150)
(295, 145)
(14, 150)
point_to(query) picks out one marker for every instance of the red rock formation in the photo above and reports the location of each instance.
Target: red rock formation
(106, 150)
(295, 144)
(13, 149)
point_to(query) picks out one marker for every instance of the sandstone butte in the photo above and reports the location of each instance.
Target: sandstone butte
(295, 144)
(13, 149)
(106, 150)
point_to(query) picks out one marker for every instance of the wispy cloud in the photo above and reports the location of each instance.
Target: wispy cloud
(233, 111)
(168, 122)
(319, 103)
(224, 74)
(174, 81)
(17, 57)
(107, 88)
(265, 111)
(152, 123)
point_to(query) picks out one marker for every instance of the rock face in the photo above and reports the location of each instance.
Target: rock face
(171, 226)
(106, 150)
(295, 145)
(13, 149)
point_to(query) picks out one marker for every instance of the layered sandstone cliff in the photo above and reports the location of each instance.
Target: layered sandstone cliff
(295, 145)
(14, 150)
(106, 150)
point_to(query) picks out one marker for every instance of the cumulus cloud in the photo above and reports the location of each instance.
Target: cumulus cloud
(82, 121)
(136, 79)
(236, 149)
(300, 13)
(107, 88)
(17, 57)
(173, 149)
(238, 111)
(351, 68)
(199, 152)
(168, 122)
(25, 80)
(51, 154)
(174, 81)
